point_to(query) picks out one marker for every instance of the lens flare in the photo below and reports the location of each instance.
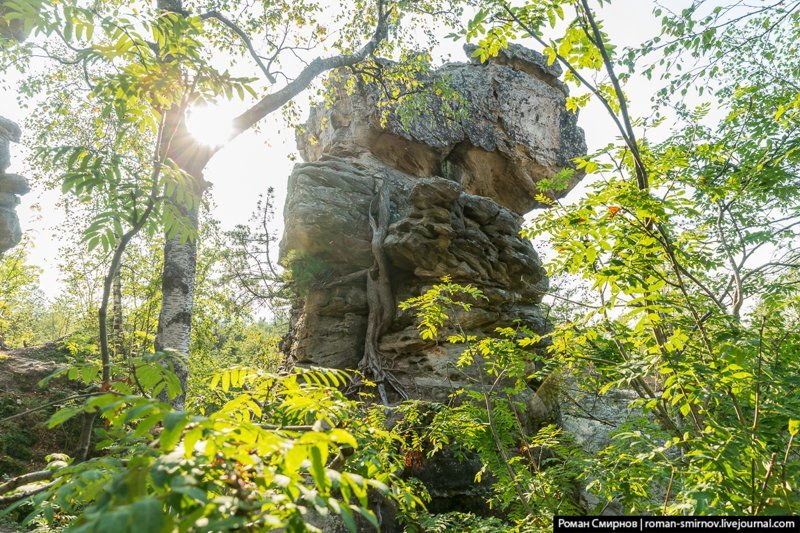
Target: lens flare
(210, 124)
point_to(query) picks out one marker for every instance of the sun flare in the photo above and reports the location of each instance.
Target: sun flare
(210, 124)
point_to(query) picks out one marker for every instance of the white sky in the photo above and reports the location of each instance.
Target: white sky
(255, 161)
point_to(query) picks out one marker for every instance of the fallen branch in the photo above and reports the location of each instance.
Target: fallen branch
(26, 479)
(6, 500)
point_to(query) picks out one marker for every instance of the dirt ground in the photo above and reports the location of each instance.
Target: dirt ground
(26, 441)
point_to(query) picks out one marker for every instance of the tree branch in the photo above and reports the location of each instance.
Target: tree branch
(641, 171)
(276, 100)
(45, 406)
(5, 500)
(244, 37)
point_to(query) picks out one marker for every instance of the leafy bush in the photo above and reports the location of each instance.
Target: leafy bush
(534, 466)
(278, 452)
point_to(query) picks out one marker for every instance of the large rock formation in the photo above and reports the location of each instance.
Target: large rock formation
(11, 186)
(453, 188)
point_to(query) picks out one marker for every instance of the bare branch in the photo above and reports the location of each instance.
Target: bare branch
(244, 37)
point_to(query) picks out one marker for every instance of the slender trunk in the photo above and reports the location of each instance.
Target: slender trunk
(85, 440)
(117, 337)
(89, 417)
(174, 331)
(177, 304)
(173, 335)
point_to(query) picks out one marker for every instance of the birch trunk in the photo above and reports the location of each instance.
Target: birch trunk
(174, 332)
(177, 304)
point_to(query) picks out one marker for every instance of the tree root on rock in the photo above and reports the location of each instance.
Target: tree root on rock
(344, 280)
(381, 305)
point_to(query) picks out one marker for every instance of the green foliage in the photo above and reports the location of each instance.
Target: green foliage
(692, 265)
(404, 90)
(533, 466)
(442, 523)
(432, 307)
(106, 146)
(230, 345)
(275, 449)
(20, 299)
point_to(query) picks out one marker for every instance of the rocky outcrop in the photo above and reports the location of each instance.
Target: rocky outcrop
(11, 187)
(454, 187)
(512, 130)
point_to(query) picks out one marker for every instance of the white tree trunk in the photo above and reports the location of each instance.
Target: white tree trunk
(177, 304)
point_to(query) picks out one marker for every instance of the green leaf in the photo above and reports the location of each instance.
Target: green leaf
(318, 470)
(347, 518)
(89, 373)
(62, 415)
(173, 427)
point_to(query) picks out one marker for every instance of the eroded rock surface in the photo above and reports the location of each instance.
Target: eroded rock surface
(514, 130)
(457, 188)
(11, 187)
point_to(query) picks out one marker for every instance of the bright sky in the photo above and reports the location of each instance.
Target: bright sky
(255, 161)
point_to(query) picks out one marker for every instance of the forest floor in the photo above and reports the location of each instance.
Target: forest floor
(26, 441)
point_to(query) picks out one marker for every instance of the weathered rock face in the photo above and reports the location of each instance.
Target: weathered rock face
(514, 132)
(457, 189)
(436, 230)
(11, 187)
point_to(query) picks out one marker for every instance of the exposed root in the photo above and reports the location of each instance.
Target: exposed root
(380, 303)
(344, 280)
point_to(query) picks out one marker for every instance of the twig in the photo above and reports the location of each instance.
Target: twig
(49, 404)
(669, 489)
(276, 100)
(768, 474)
(245, 39)
(286, 428)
